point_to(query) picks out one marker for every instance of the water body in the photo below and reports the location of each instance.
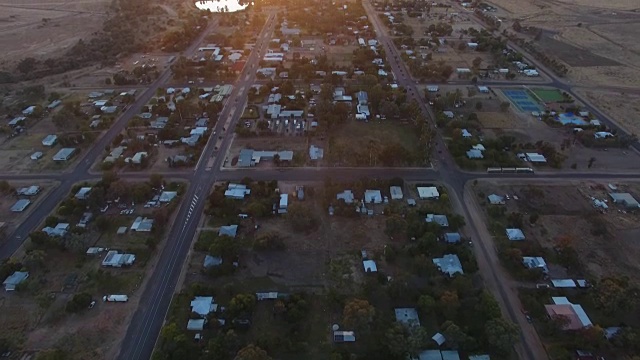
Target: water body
(221, 6)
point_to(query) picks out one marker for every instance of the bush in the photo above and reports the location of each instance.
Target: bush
(79, 302)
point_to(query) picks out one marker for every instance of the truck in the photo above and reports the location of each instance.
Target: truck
(115, 298)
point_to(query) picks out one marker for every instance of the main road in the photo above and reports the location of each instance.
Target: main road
(154, 303)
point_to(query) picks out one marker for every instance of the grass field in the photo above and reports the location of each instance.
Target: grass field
(548, 95)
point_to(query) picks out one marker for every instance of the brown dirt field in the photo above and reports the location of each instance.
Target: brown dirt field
(622, 107)
(498, 120)
(613, 254)
(340, 54)
(26, 34)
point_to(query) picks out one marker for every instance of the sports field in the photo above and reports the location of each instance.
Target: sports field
(548, 95)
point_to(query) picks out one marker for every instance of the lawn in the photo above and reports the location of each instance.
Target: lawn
(549, 95)
(251, 112)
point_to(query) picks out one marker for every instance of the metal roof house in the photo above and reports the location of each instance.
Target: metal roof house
(114, 259)
(363, 97)
(625, 199)
(438, 219)
(373, 196)
(83, 193)
(64, 154)
(203, 305)
(196, 324)
(142, 224)
(515, 234)
(210, 261)
(229, 230)
(316, 153)
(396, 192)
(59, 230)
(449, 264)
(452, 238)
(407, 316)
(429, 192)
(283, 204)
(343, 336)
(20, 205)
(346, 196)
(29, 191)
(535, 262)
(50, 140)
(236, 191)
(14, 280)
(576, 315)
(495, 199)
(167, 196)
(369, 266)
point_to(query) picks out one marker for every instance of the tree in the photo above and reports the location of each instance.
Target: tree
(358, 314)
(591, 161)
(456, 338)
(449, 303)
(488, 306)
(79, 302)
(223, 246)
(479, 105)
(533, 218)
(252, 352)
(476, 62)
(156, 180)
(501, 334)
(242, 303)
(427, 304)
(301, 218)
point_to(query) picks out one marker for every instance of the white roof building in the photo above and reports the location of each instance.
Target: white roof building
(372, 196)
(346, 196)
(203, 305)
(20, 205)
(515, 234)
(141, 224)
(407, 316)
(429, 192)
(64, 154)
(60, 230)
(167, 196)
(29, 191)
(115, 259)
(316, 153)
(50, 140)
(14, 280)
(83, 193)
(369, 266)
(236, 191)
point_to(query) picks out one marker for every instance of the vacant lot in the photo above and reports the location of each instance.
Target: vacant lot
(623, 108)
(601, 238)
(341, 54)
(41, 28)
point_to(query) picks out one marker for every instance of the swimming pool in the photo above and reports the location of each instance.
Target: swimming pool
(522, 100)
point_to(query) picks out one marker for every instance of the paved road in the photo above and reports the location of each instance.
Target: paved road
(156, 298)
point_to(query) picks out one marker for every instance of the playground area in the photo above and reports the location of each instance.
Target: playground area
(522, 100)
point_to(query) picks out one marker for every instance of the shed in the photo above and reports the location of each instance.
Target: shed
(210, 261)
(36, 155)
(429, 192)
(475, 154)
(626, 199)
(195, 324)
(115, 259)
(396, 192)
(407, 316)
(495, 199)
(83, 192)
(64, 154)
(167, 196)
(50, 140)
(449, 264)
(343, 336)
(141, 224)
(450, 355)
(429, 355)
(438, 338)
(229, 230)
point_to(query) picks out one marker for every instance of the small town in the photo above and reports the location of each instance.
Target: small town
(314, 179)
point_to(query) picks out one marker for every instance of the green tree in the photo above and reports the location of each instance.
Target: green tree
(79, 302)
(456, 338)
(242, 303)
(427, 304)
(252, 352)
(301, 217)
(501, 334)
(358, 314)
(449, 303)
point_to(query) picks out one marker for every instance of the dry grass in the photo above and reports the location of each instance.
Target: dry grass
(624, 108)
(498, 120)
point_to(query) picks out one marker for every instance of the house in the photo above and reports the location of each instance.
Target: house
(515, 234)
(535, 158)
(448, 114)
(475, 154)
(94, 250)
(29, 191)
(159, 123)
(369, 266)
(428, 192)
(19, 120)
(483, 89)
(137, 158)
(20, 205)
(396, 192)
(438, 219)
(372, 196)
(451, 238)
(60, 230)
(346, 196)
(122, 230)
(85, 219)
(576, 317)
(381, 72)
(466, 134)
(363, 97)
(343, 336)
(407, 316)
(29, 111)
(83, 193)
(450, 355)
(50, 140)
(228, 230)
(115, 259)
(64, 154)
(203, 305)
(141, 224)
(14, 280)
(563, 283)
(284, 203)
(429, 355)
(167, 196)
(236, 191)
(625, 199)
(316, 153)
(363, 110)
(495, 199)
(115, 154)
(535, 262)
(235, 56)
(196, 324)
(109, 109)
(210, 261)
(36, 155)
(449, 264)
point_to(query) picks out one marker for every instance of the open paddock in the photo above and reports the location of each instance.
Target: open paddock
(341, 54)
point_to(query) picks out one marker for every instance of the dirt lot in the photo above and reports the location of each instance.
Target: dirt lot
(559, 204)
(341, 54)
(41, 28)
(622, 107)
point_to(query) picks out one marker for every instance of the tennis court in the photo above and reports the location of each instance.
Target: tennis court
(522, 100)
(548, 95)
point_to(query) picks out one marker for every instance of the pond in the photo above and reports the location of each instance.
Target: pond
(221, 6)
